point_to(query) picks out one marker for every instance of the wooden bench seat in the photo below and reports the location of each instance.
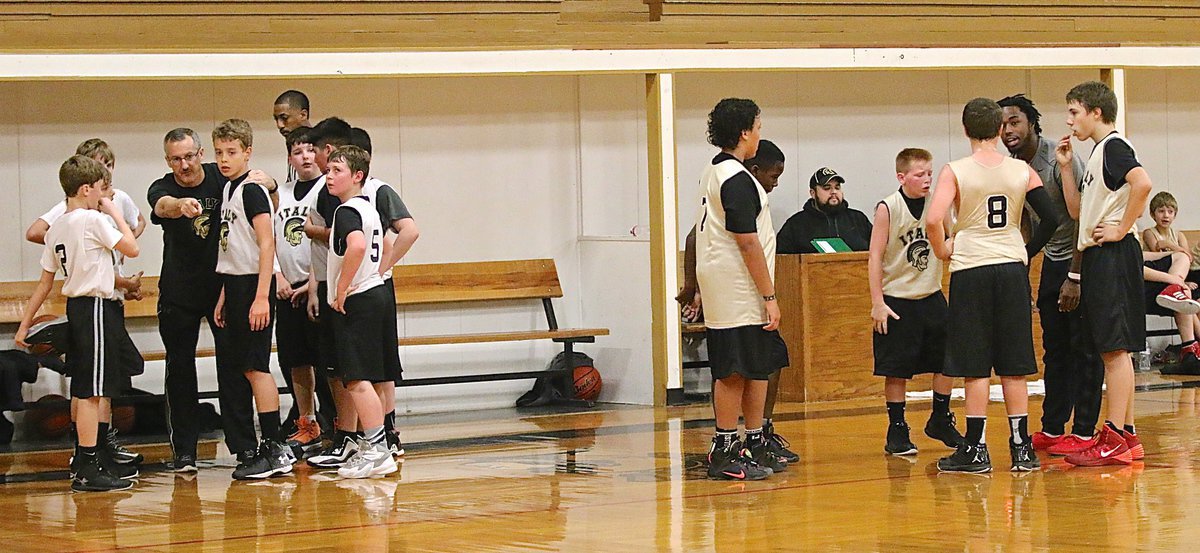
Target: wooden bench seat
(416, 285)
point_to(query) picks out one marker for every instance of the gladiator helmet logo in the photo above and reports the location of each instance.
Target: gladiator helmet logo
(918, 254)
(224, 236)
(200, 226)
(293, 231)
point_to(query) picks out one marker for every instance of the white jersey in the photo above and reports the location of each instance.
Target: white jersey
(367, 275)
(319, 251)
(129, 211)
(80, 244)
(238, 253)
(292, 246)
(910, 270)
(731, 299)
(1099, 204)
(371, 191)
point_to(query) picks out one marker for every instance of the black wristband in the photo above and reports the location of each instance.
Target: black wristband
(769, 298)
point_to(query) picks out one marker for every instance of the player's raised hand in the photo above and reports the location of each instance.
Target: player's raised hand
(1064, 151)
(880, 313)
(109, 208)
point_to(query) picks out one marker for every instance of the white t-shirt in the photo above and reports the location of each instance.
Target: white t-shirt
(80, 244)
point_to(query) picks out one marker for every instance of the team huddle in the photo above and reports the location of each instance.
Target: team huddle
(1085, 218)
(306, 264)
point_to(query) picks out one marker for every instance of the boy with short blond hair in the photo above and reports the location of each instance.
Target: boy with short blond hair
(245, 307)
(907, 304)
(363, 309)
(80, 244)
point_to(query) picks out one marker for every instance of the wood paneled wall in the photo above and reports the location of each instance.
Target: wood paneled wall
(273, 25)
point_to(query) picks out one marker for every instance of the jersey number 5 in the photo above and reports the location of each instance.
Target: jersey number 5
(375, 246)
(61, 250)
(997, 213)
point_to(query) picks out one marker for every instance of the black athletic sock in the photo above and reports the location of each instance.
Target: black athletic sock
(1129, 429)
(975, 428)
(724, 439)
(89, 451)
(895, 411)
(941, 403)
(102, 432)
(755, 437)
(768, 428)
(1018, 426)
(1186, 344)
(1112, 426)
(269, 422)
(74, 434)
(389, 421)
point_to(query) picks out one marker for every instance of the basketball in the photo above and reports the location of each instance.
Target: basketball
(42, 349)
(587, 383)
(48, 418)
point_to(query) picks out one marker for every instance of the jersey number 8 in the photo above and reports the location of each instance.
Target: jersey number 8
(997, 213)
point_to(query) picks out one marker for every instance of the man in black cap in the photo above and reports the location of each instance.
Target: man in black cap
(826, 215)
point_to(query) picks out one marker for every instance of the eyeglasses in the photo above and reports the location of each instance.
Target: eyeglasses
(191, 157)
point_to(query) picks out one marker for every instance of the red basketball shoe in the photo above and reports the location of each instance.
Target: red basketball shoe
(1043, 441)
(1135, 445)
(1071, 444)
(1110, 449)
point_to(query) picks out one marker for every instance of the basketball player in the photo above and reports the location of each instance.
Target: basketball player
(296, 337)
(989, 286)
(245, 307)
(1115, 189)
(364, 312)
(907, 305)
(80, 244)
(1074, 373)
(766, 167)
(735, 245)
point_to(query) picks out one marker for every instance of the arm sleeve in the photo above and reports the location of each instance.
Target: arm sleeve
(345, 222)
(391, 208)
(255, 201)
(1119, 160)
(326, 206)
(55, 212)
(156, 192)
(864, 237)
(1049, 217)
(739, 197)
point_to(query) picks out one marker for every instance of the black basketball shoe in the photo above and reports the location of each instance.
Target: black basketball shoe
(760, 452)
(93, 477)
(1023, 457)
(970, 458)
(779, 445)
(118, 453)
(898, 442)
(733, 463)
(942, 427)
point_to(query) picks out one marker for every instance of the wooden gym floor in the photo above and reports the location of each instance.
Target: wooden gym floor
(632, 479)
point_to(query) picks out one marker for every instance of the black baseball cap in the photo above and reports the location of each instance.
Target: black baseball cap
(823, 176)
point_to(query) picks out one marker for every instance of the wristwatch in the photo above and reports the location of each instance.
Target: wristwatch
(769, 298)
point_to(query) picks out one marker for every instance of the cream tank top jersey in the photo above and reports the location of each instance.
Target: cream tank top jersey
(990, 200)
(367, 275)
(292, 246)
(1100, 204)
(238, 251)
(731, 298)
(910, 270)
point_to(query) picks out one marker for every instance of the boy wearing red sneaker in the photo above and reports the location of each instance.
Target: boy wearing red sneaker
(1115, 189)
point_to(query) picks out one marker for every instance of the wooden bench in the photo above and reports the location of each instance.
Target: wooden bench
(425, 284)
